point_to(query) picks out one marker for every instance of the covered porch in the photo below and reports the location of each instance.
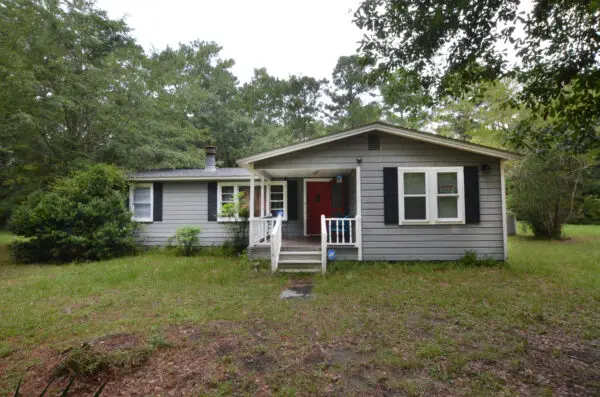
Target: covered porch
(295, 225)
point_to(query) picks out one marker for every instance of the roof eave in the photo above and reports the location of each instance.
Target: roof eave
(189, 178)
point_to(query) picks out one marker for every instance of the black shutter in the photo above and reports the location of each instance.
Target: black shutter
(390, 196)
(292, 193)
(472, 194)
(157, 215)
(212, 201)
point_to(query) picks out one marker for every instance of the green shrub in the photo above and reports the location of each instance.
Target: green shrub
(86, 361)
(469, 258)
(187, 237)
(239, 227)
(32, 251)
(82, 217)
(543, 190)
(589, 212)
(591, 209)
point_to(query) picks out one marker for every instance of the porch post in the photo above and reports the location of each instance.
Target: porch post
(251, 215)
(358, 214)
(262, 197)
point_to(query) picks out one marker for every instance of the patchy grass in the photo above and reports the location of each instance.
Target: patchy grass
(211, 325)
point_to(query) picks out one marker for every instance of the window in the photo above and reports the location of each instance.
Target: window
(245, 198)
(431, 195)
(141, 201)
(239, 194)
(277, 200)
(228, 193)
(447, 195)
(415, 196)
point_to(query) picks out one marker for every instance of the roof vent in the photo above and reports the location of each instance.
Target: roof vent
(211, 154)
(373, 141)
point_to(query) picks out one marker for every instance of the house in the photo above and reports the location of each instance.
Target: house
(373, 193)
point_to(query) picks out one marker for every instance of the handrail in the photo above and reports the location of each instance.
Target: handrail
(260, 231)
(323, 245)
(276, 243)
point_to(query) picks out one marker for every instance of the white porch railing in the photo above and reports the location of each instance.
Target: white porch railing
(260, 230)
(339, 232)
(276, 243)
(343, 231)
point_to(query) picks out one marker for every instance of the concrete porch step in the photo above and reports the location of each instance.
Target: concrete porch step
(299, 266)
(302, 248)
(296, 256)
(295, 260)
(315, 270)
(285, 252)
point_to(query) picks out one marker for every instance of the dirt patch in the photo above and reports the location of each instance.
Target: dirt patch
(254, 358)
(317, 356)
(226, 346)
(78, 306)
(568, 365)
(259, 362)
(335, 355)
(199, 333)
(578, 239)
(297, 288)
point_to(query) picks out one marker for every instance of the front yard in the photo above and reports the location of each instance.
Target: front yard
(213, 326)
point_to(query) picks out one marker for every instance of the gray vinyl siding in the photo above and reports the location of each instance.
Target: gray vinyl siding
(352, 193)
(414, 242)
(184, 203)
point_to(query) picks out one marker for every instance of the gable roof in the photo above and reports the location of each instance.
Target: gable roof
(388, 129)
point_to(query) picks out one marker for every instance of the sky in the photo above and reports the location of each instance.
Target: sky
(287, 37)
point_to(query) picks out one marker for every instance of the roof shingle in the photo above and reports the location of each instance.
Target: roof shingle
(194, 173)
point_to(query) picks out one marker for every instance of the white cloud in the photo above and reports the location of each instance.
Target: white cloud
(286, 37)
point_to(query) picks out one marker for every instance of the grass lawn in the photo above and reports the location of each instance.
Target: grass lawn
(213, 326)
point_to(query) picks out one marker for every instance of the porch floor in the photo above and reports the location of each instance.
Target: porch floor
(302, 241)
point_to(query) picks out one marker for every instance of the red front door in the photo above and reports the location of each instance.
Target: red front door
(318, 202)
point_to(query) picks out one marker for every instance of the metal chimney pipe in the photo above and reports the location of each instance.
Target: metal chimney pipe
(211, 158)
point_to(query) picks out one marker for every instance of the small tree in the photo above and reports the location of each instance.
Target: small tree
(187, 237)
(82, 217)
(238, 228)
(543, 190)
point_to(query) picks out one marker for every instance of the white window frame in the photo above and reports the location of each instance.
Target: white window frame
(236, 192)
(132, 204)
(285, 198)
(431, 196)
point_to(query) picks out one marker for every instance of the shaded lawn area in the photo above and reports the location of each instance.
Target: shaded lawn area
(213, 326)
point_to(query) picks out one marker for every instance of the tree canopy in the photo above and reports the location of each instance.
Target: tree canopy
(548, 47)
(78, 90)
